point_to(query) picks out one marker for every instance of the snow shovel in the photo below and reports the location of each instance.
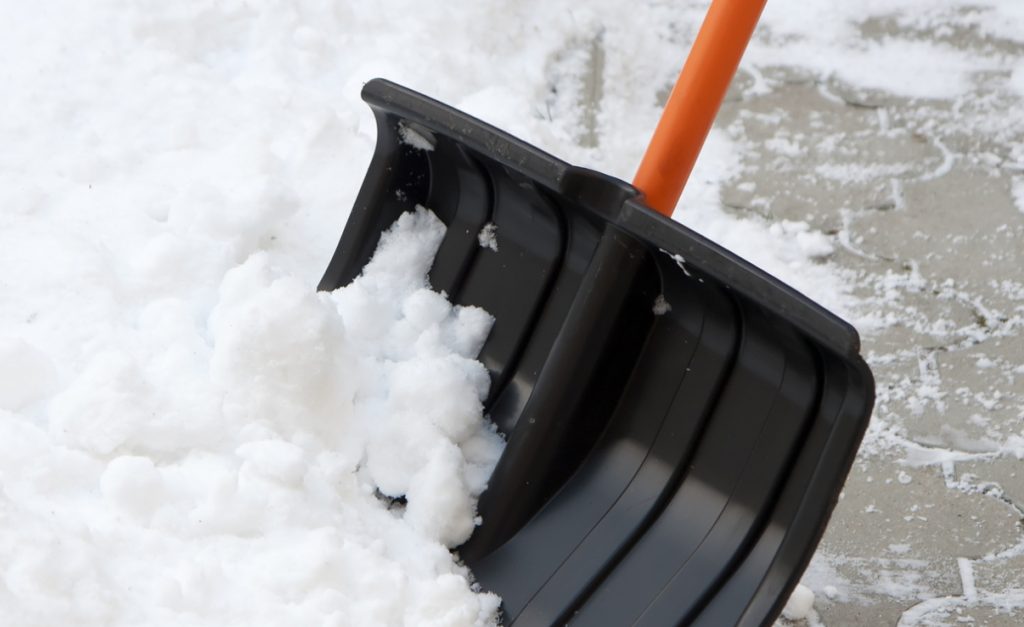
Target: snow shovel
(679, 423)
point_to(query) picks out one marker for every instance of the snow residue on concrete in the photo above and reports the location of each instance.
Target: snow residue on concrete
(900, 47)
(1017, 190)
(1016, 82)
(851, 173)
(789, 250)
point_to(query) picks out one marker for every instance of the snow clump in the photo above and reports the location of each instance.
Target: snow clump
(235, 470)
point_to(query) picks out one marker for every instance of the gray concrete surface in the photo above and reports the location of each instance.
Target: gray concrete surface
(930, 528)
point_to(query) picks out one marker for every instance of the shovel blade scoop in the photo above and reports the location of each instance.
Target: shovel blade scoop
(679, 423)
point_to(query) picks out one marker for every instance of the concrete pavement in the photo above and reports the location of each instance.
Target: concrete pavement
(930, 528)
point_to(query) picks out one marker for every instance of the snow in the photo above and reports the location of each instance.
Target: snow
(837, 40)
(800, 603)
(189, 433)
(233, 479)
(26, 374)
(661, 306)
(488, 236)
(414, 138)
(1017, 189)
(1017, 81)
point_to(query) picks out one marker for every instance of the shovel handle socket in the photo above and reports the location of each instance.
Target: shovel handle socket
(694, 101)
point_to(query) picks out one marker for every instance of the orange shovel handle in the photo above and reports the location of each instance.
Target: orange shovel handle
(695, 100)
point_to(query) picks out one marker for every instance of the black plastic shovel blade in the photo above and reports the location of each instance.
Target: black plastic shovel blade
(679, 423)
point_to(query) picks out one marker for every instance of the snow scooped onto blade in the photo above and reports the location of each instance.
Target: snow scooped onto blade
(679, 422)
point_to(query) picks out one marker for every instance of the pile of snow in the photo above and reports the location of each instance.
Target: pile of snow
(189, 433)
(234, 472)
